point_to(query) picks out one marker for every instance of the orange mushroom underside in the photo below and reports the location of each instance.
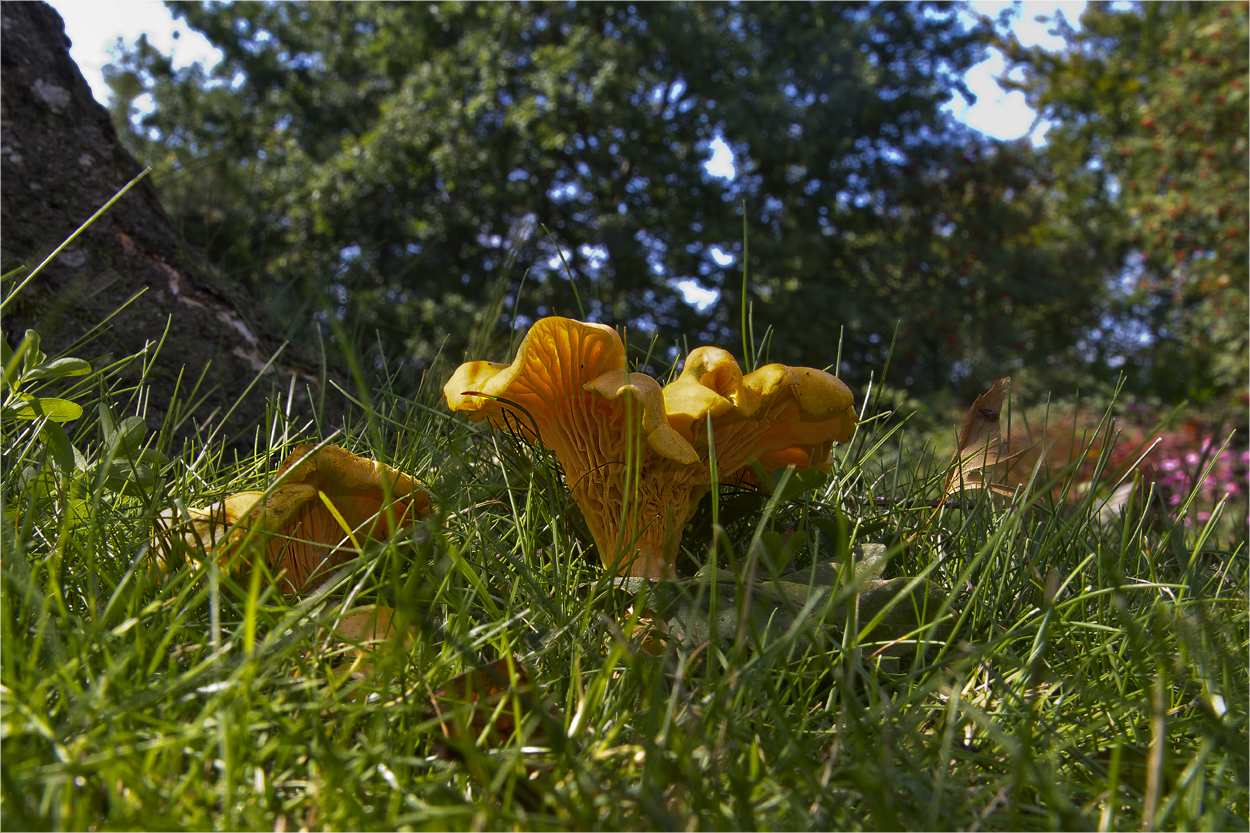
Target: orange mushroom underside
(636, 457)
(301, 536)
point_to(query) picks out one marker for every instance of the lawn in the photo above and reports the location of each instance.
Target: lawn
(1085, 668)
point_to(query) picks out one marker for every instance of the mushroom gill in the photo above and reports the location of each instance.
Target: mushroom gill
(636, 457)
(326, 502)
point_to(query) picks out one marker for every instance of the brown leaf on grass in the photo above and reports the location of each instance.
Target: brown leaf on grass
(980, 440)
(980, 447)
(485, 699)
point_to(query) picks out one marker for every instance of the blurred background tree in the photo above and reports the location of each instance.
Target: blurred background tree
(393, 166)
(1150, 149)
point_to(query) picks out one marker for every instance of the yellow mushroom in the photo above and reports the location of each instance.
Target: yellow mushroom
(297, 524)
(636, 456)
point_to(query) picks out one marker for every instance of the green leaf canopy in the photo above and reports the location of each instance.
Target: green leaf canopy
(394, 166)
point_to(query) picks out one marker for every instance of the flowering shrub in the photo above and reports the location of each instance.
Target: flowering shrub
(1180, 459)
(1176, 461)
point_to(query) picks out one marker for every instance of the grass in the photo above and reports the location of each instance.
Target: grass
(1094, 675)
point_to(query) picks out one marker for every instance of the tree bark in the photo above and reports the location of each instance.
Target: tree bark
(61, 161)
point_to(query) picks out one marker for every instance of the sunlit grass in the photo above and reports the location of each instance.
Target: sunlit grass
(1095, 675)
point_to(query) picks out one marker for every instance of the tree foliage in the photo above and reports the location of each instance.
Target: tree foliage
(434, 174)
(1150, 142)
(399, 160)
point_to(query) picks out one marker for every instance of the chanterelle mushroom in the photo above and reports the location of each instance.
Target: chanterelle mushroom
(635, 456)
(301, 537)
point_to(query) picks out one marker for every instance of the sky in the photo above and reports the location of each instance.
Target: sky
(95, 26)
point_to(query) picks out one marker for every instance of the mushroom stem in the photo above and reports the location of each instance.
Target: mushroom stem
(641, 537)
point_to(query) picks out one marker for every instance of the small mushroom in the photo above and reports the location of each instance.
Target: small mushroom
(636, 456)
(302, 537)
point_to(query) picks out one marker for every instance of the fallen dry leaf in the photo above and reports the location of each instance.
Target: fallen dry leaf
(980, 448)
(980, 440)
(486, 698)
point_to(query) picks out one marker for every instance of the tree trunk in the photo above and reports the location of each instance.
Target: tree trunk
(61, 161)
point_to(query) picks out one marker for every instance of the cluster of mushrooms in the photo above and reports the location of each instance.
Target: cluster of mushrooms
(637, 457)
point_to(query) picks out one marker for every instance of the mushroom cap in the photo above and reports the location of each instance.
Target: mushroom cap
(557, 363)
(302, 537)
(781, 416)
(570, 389)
